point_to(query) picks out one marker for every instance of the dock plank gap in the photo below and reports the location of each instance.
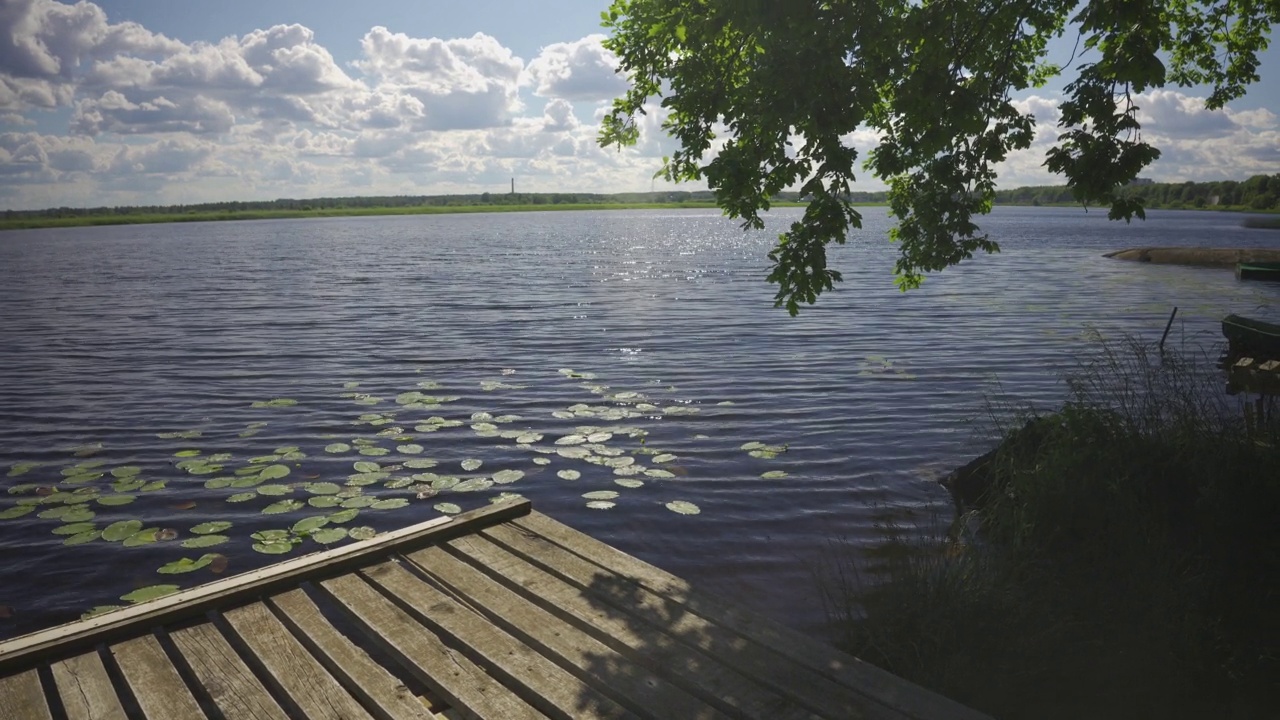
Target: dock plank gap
(500, 613)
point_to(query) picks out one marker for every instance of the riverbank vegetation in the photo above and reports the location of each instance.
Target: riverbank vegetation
(1260, 193)
(1124, 560)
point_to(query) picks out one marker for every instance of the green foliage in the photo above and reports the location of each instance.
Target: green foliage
(777, 88)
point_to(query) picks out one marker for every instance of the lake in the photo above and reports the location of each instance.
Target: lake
(151, 374)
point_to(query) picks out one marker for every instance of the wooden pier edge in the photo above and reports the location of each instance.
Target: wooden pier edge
(82, 635)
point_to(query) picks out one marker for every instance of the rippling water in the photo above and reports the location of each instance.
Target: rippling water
(116, 335)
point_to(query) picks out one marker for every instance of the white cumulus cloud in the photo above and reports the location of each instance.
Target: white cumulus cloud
(580, 70)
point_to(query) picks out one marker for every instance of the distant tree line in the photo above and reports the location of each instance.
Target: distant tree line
(1260, 192)
(378, 201)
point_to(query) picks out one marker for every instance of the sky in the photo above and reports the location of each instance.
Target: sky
(158, 102)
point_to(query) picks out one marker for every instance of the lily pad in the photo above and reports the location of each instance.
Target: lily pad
(389, 504)
(241, 497)
(601, 495)
(185, 565)
(100, 610)
(16, 511)
(322, 488)
(601, 505)
(218, 483)
(444, 483)
(420, 463)
(78, 514)
(274, 547)
(663, 458)
(213, 526)
(82, 538)
(344, 516)
(149, 593)
(324, 501)
(152, 486)
(473, 485)
(308, 524)
(274, 490)
(774, 474)
(506, 477)
(362, 533)
(541, 461)
(683, 507)
(203, 541)
(126, 471)
(471, 464)
(763, 454)
(187, 453)
(659, 473)
(410, 449)
(374, 451)
(366, 466)
(113, 500)
(142, 537)
(573, 452)
(569, 474)
(22, 468)
(328, 535)
(628, 483)
(447, 508)
(282, 506)
(274, 472)
(74, 528)
(337, 448)
(117, 531)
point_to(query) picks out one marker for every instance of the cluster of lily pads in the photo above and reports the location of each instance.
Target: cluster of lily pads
(89, 486)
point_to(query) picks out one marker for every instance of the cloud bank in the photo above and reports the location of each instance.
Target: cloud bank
(95, 112)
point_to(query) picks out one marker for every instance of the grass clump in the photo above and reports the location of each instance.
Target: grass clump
(1123, 560)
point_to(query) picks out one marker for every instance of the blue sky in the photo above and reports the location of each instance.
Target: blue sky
(123, 102)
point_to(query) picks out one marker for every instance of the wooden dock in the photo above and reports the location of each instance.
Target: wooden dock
(499, 613)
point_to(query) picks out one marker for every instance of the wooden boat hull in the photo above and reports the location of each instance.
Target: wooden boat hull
(1251, 336)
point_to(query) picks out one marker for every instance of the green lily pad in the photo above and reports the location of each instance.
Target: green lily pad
(274, 535)
(242, 497)
(204, 541)
(621, 462)
(16, 511)
(322, 488)
(152, 486)
(117, 531)
(447, 508)
(420, 463)
(628, 483)
(344, 516)
(78, 514)
(22, 468)
(310, 523)
(374, 451)
(82, 538)
(126, 471)
(601, 495)
(573, 453)
(274, 472)
(359, 501)
(185, 565)
(282, 506)
(659, 473)
(275, 403)
(277, 547)
(100, 610)
(326, 536)
(663, 458)
(337, 448)
(471, 464)
(389, 504)
(262, 460)
(218, 483)
(446, 482)
(74, 528)
(683, 507)
(763, 454)
(324, 501)
(752, 446)
(149, 593)
(473, 485)
(506, 477)
(410, 449)
(81, 478)
(362, 533)
(366, 466)
(274, 490)
(569, 474)
(774, 474)
(601, 505)
(213, 526)
(187, 453)
(541, 461)
(142, 537)
(114, 500)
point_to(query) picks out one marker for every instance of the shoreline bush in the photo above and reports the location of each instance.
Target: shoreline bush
(1124, 560)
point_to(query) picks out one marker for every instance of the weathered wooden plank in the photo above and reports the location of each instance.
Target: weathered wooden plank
(294, 670)
(231, 684)
(21, 696)
(888, 689)
(543, 684)
(77, 637)
(86, 689)
(156, 685)
(384, 695)
(641, 691)
(799, 684)
(448, 673)
(641, 642)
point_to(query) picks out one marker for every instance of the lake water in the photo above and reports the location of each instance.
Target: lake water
(114, 339)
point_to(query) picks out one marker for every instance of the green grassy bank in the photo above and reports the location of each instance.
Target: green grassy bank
(1124, 561)
(213, 216)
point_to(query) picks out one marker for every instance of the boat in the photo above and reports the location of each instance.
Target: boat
(1258, 271)
(1247, 335)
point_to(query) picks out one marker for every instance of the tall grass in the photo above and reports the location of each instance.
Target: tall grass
(1124, 561)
